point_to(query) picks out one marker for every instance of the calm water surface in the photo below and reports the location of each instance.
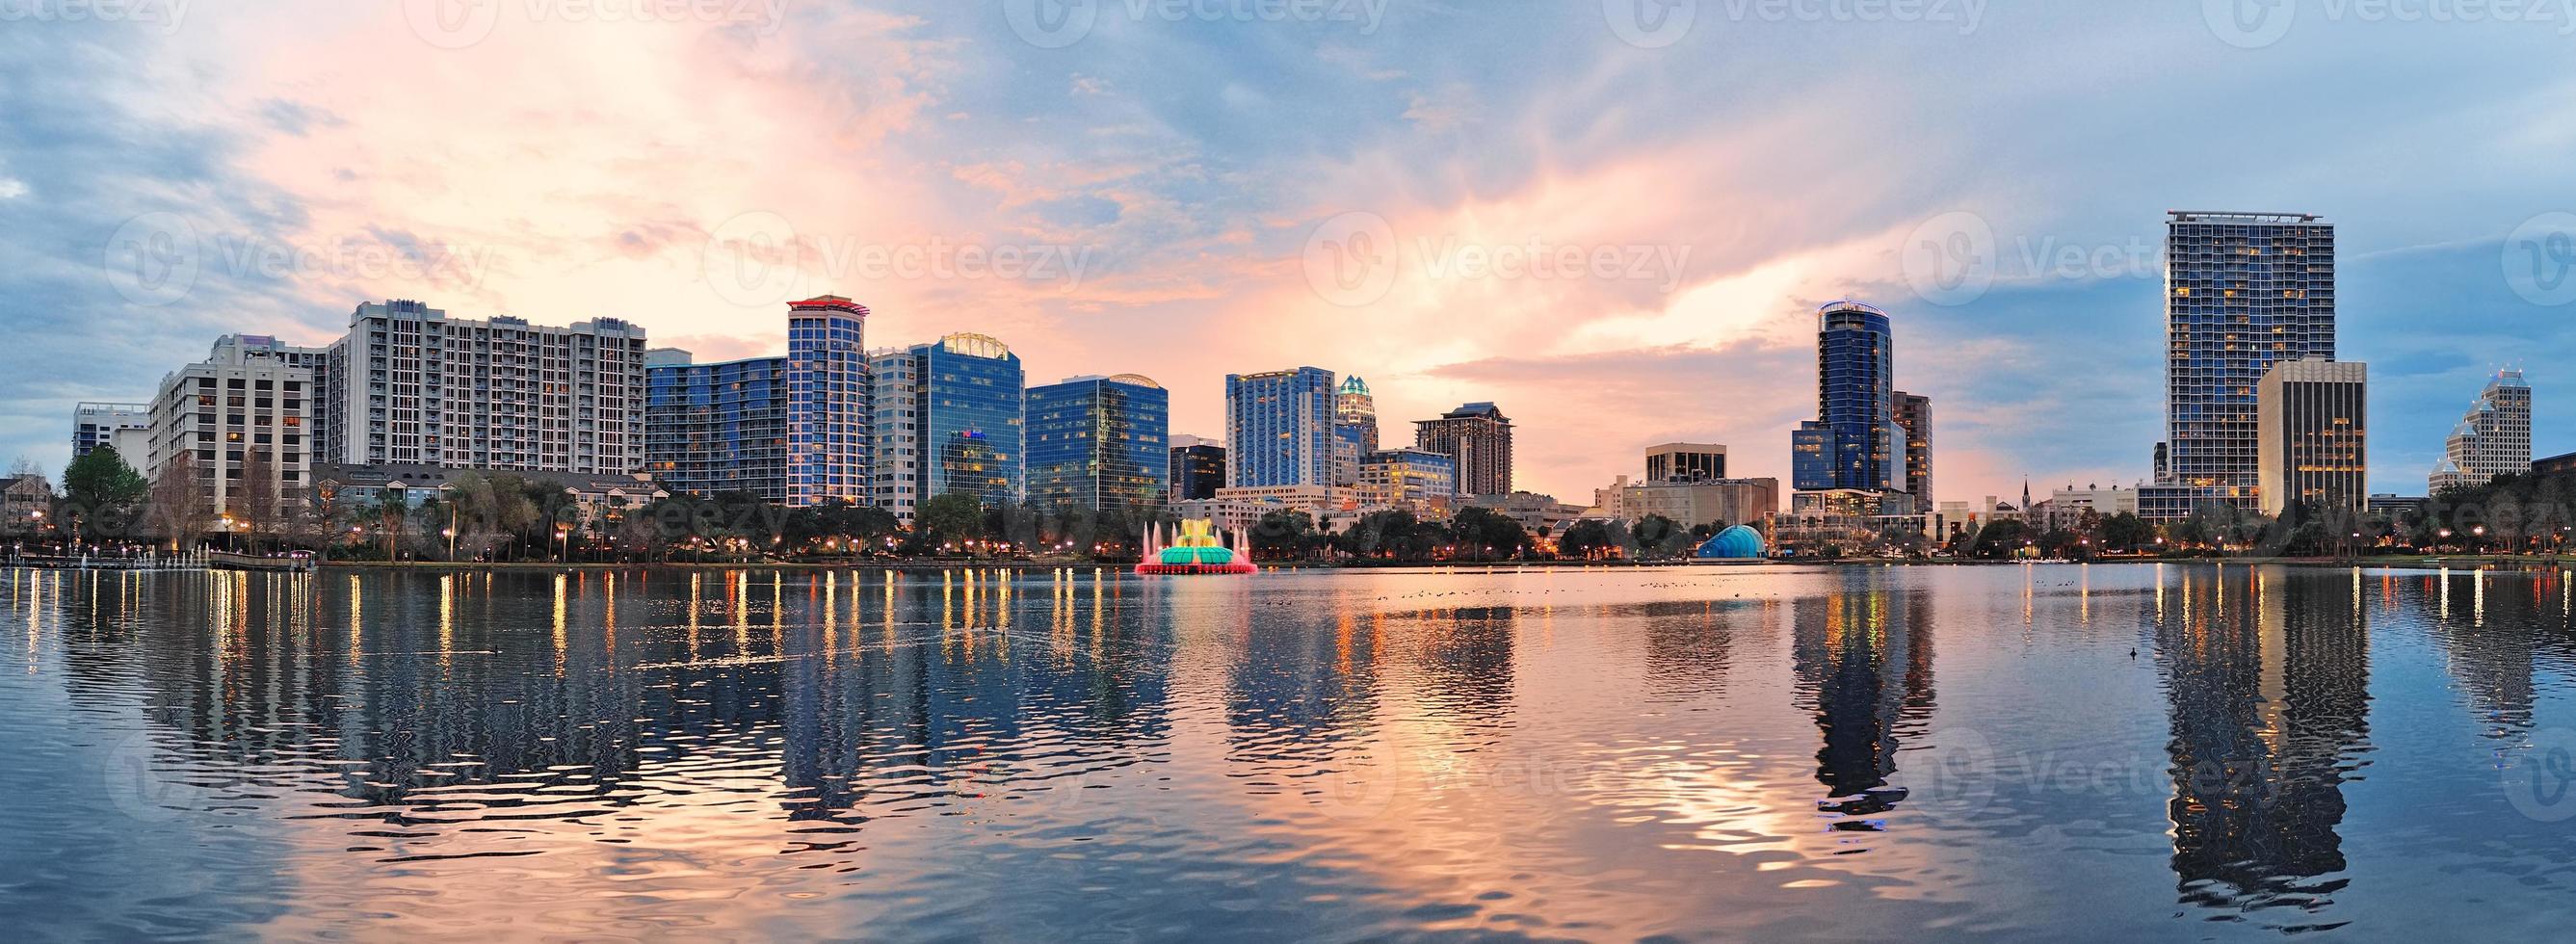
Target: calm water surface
(2043, 752)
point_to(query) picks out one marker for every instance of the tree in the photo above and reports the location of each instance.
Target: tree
(1593, 539)
(1489, 534)
(2000, 539)
(101, 493)
(1658, 536)
(180, 511)
(1285, 533)
(947, 518)
(2127, 532)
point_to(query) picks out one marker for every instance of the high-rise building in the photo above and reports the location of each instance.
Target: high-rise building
(409, 385)
(1279, 428)
(1685, 461)
(1479, 438)
(240, 424)
(1198, 468)
(894, 394)
(2311, 438)
(792, 430)
(95, 425)
(962, 431)
(1914, 425)
(1355, 422)
(1417, 480)
(2243, 291)
(1100, 443)
(1853, 443)
(2493, 439)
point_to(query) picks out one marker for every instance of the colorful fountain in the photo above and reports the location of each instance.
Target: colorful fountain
(1196, 551)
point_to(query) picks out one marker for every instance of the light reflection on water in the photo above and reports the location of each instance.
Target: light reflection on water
(2032, 752)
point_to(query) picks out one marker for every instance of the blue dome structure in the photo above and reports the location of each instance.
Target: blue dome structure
(1736, 543)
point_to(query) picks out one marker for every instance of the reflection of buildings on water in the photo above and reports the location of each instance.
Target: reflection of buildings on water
(2491, 641)
(1466, 661)
(834, 686)
(1690, 644)
(1863, 660)
(2268, 688)
(1297, 692)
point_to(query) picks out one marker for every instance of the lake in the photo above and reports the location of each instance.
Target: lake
(2133, 751)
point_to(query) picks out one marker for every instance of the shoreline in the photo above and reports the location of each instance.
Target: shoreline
(2391, 562)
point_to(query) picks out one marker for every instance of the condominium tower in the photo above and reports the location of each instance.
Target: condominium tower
(2243, 291)
(792, 430)
(2493, 439)
(410, 385)
(1478, 438)
(1279, 428)
(1854, 442)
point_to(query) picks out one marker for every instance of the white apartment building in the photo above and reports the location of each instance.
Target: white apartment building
(894, 388)
(410, 385)
(245, 409)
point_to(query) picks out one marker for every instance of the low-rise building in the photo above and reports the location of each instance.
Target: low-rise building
(1695, 502)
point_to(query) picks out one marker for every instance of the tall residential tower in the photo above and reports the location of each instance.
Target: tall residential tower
(2493, 439)
(2243, 291)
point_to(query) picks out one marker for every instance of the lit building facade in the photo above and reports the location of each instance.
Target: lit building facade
(410, 385)
(240, 424)
(1671, 461)
(1914, 427)
(894, 394)
(2311, 436)
(1853, 443)
(1355, 425)
(2493, 439)
(1416, 480)
(968, 396)
(1100, 443)
(96, 424)
(1198, 468)
(1279, 428)
(1479, 438)
(792, 430)
(2243, 291)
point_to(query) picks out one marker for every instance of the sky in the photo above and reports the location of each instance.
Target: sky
(1614, 219)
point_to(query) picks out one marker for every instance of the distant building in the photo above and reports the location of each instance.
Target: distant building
(1416, 480)
(965, 427)
(894, 394)
(1279, 429)
(2392, 506)
(792, 430)
(1099, 443)
(23, 503)
(2065, 508)
(1541, 515)
(408, 384)
(95, 425)
(1670, 461)
(1695, 502)
(1198, 468)
(1479, 438)
(2243, 291)
(240, 424)
(2311, 438)
(2493, 439)
(1355, 425)
(1914, 427)
(2554, 465)
(1853, 443)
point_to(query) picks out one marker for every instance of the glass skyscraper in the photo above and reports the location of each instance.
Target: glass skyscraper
(2243, 291)
(792, 430)
(1279, 428)
(1853, 442)
(1099, 443)
(968, 397)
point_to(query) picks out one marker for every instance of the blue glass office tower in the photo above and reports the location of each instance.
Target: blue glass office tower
(2243, 291)
(1279, 428)
(968, 391)
(1099, 443)
(792, 430)
(827, 402)
(1852, 442)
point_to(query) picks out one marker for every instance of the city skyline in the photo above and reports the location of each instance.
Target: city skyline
(319, 178)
